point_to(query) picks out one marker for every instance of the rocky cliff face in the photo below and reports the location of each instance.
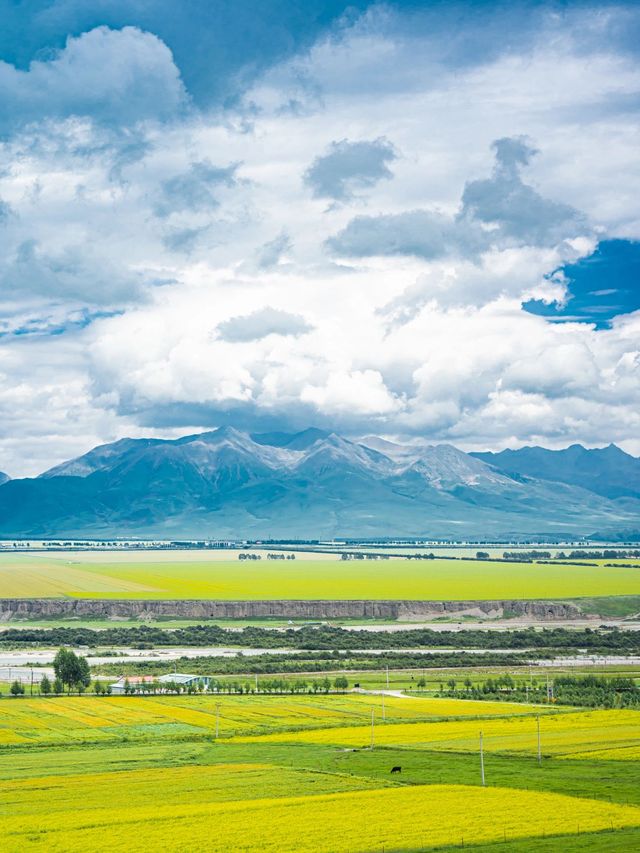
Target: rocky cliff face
(407, 610)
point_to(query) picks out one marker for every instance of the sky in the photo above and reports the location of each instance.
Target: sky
(419, 220)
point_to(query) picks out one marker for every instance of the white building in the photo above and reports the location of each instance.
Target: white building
(179, 679)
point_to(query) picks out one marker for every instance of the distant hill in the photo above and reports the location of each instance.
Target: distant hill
(315, 484)
(608, 471)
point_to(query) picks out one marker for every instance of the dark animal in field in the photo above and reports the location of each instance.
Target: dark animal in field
(396, 769)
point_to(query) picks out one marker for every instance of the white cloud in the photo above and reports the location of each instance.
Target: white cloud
(429, 341)
(349, 166)
(260, 324)
(118, 76)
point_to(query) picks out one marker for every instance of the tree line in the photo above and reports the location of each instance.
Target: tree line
(71, 671)
(312, 662)
(588, 691)
(326, 637)
(265, 685)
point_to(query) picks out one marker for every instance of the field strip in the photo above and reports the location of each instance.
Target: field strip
(397, 818)
(184, 578)
(55, 720)
(53, 579)
(568, 733)
(85, 795)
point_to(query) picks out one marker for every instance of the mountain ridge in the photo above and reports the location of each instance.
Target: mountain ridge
(230, 483)
(607, 471)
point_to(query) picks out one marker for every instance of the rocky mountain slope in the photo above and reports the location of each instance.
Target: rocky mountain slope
(607, 471)
(228, 483)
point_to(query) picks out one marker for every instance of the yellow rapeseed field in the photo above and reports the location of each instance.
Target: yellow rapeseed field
(77, 794)
(396, 818)
(572, 732)
(86, 719)
(134, 576)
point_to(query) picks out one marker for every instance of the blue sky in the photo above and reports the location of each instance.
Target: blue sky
(599, 287)
(385, 218)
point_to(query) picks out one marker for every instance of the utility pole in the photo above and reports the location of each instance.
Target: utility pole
(256, 682)
(31, 692)
(482, 761)
(372, 733)
(539, 751)
(547, 688)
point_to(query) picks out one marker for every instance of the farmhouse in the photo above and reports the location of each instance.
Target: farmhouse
(178, 679)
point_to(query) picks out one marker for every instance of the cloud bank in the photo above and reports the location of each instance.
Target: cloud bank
(342, 234)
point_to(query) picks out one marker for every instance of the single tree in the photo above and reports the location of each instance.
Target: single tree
(16, 689)
(45, 685)
(72, 669)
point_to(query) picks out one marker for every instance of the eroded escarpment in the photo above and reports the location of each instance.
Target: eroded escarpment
(11, 608)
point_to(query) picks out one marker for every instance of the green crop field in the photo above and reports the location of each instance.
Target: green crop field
(153, 576)
(304, 773)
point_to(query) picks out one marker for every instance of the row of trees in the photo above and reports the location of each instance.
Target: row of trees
(328, 637)
(71, 670)
(527, 555)
(587, 691)
(316, 662)
(354, 556)
(270, 686)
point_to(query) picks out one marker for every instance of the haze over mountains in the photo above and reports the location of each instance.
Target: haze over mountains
(228, 483)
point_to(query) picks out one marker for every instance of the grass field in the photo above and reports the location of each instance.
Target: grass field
(82, 773)
(148, 576)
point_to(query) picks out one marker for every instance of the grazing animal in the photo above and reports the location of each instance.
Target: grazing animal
(396, 769)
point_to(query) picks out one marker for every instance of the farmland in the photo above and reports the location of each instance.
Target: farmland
(298, 773)
(285, 764)
(181, 575)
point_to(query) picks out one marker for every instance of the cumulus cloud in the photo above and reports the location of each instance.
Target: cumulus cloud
(117, 76)
(520, 214)
(361, 390)
(74, 274)
(499, 211)
(259, 324)
(272, 252)
(411, 323)
(195, 189)
(422, 233)
(348, 167)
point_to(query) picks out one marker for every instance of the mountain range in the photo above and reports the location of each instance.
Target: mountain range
(316, 484)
